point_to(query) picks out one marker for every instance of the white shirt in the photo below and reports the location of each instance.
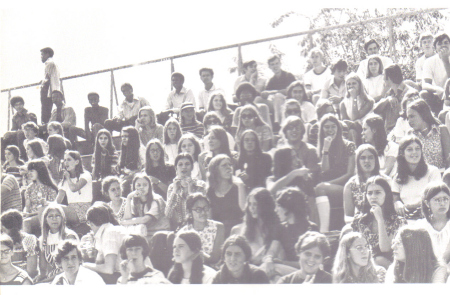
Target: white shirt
(175, 100)
(317, 81)
(433, 68)
(419, 66)
(362, 68)
(108, 240)
(374, 85)
(84, 277)
(203, 97)
(51, 73)
(439, 239)
(84, 195)
(208, 276)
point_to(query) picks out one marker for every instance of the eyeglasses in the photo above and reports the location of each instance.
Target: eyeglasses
(6, 252)
(293, 128)
(54, 216)
(441, 200)
(247, 116)
(201, 209)
(362, 249)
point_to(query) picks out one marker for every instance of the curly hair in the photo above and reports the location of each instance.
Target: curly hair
(403, 171)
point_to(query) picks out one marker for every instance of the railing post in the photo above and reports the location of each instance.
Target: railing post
(62, 90)
(240, 60)
(9, 108)
(112, 92)
(391, 39)
(172, 69)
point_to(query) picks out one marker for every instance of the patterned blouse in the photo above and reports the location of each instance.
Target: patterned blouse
(432, 146)
(207, 235)
(358, 191)
(121, 212)
(36, 193)
(28, 248)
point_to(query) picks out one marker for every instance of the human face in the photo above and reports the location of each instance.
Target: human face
(29, 133)
(316, 59)
(443, 45)
(103, 141)
(30, 153)
(144, 117)
(275, 66)
(70, 163)
(293, 132)
(172, 131)
(135, 253)
(310, 260)
(206, 77)
(125, 137)
(187, 146)
(200, 211)
(114, 191)
(398, 249)
(44, 56)
(217, 103)
(6, 254)
(330, 129)
(292, 110)
(184, 168)
(211, 122)
(352, 84)
(415, 120)
(9, 156)
(248, 119)
(249, 142)
(246, 96)
(188, 114)
(177, 82)
(281, 212)
(359, 252)
(51, 130)
(142, 187)
(235, 259)
(18, 107)
(127, 92)
(93, 100)
(339, 74)
(375, 195)
(372, 49)
(70, 263)
(57, 99)
(181, 251)
(226, 169)
(439, 204)
(155, 153)
(367, 133)
(427, 44)
(374, 67)
(54, 220)
(413, 153)
(253, 207)
(214, 142)
(33, 175)
(367, 161)
(252, 68)
(298, 93)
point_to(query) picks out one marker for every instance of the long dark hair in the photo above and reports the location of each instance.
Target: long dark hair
(36, 147)
(337, 149)
(420, 260)
(243, 156)
(292, 86)
(266, 213)
(16, 153)
(224, 110)
(431, 190)
(176, 273)
(77, 157)
(387, 208)
(43, 174)
(403, 171)
(149, 197)
(129, 155)
(110, 150)
(56, 146)
(424, 111)
(213, 170)
(220, 133)
(376, 124)
(148, 161)
(380, 66)
(12, 221)
(359, 151)
(166, 138)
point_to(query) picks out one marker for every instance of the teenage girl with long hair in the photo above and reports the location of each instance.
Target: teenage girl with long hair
(218, 105)
(171, 137)
(105, 157)
(249, 118)
(56, 149)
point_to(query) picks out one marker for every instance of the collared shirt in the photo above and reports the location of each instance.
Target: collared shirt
(95, 115)
(84, 277)
(432, 146)
(146, 134)
(51, 76)
(434, 69)
(174, 100)
(259, 83)
(389, 107)
(131, 109)
(331, 89)
(20, 118)
(108, 240)
(203, 97)
(68, 115)
(280, 83)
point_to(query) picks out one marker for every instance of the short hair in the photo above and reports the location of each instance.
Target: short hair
(368, 43)
(425, 35)
(16, 99)
(134, 240)
(439, 38)
(293, 200)
(190, 202)
(98, 214)
(273, 58)
(6, 241)
(293, 120)
(241, 242)
(184, 156)
(126, 85)
(312, 239)
(57, 126)
(94, 94)
(394, 72)
(33, 126)
(106, 183)
(247, 64)
(48, 50)
(316, 50)
(340, 65)
(178, 74)
(12, 219)
(64, 248)
(246, 86)
(206, 70)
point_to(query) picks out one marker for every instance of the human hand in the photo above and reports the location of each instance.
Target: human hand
(66, 174)
(125, 269)
(335, 99)
(377, 212)
(400, 208)
(327, 143)
(244, 176)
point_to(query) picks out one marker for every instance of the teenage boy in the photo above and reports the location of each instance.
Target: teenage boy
(49, 84)
(94, 117)
(315, 78)
(179, 95)
(426, 44)
(250, 75)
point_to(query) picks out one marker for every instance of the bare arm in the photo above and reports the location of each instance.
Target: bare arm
(106, 268)
(218, 242)
(76, 186)
(349, 206)
(32, 265)
(350, 172)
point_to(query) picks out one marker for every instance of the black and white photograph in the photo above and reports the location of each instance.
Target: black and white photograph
(228, 142)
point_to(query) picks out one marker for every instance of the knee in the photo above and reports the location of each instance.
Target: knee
(425, 94)
(320, 189)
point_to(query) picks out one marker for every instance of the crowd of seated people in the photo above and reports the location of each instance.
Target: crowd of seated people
(331, 177)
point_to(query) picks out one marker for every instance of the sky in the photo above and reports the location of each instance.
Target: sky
(94, 35)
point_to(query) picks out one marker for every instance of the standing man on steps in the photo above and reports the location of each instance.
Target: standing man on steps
(49, 84)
